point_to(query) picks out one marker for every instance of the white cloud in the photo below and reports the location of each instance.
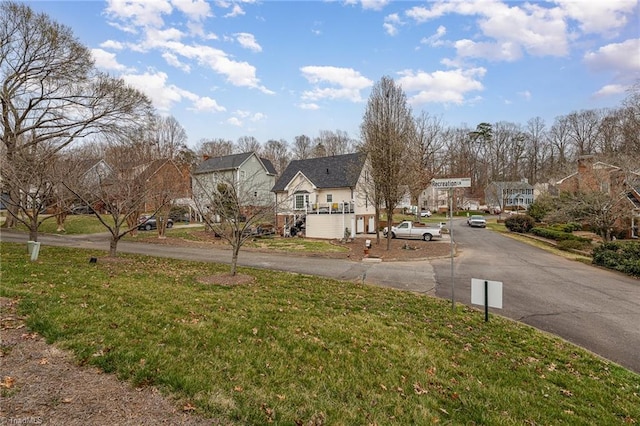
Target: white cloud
(107, 60)
(374, 4)
(164, 96)
(206, 104)
(309, 106)
(538, 30)
(348, 81)
(154, 85)
(603, 17)
(258, 116)
(236, 10)
(620, 57)
(248, 41)
(139, 12)
(510, 30)
(158, 38)
(505, 51)
(441, 86)
(112, 44)
(436, 39)
(234, 121)
(237, 73)
(391, 23)
(194, 9)
(175, 62)
(611, 90)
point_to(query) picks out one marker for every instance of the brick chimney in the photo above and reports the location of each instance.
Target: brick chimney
(585, 163)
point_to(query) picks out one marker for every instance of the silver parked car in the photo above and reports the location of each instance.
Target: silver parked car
(477, 220)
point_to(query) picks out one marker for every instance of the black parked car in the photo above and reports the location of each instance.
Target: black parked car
(149, 223)
(82, 210)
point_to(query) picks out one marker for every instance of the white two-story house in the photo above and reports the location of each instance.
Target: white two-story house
(325, 197)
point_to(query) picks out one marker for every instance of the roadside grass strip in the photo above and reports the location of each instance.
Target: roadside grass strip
(296, 349)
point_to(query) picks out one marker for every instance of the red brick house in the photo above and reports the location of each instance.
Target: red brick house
(165, 181)
(623, 187)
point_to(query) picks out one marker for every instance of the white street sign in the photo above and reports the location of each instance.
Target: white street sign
(451, 183)
(494, 292)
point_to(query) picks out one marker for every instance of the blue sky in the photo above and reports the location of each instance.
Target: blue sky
(279, 69)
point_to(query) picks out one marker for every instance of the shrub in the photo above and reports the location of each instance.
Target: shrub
(554, 234)
(521, 223)
(623, 256)
(572, 226)
(569, 245)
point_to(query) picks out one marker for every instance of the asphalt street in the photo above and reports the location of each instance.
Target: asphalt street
(591, 307)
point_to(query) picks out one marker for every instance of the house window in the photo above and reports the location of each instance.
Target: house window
(329, 198)
(604, 187)
(301, 201)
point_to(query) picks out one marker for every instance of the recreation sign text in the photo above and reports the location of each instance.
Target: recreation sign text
(451, 183)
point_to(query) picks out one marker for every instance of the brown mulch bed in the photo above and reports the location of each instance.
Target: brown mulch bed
(399, 249)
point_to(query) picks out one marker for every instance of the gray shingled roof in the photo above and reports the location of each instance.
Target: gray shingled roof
(230, 162)
(339, 171)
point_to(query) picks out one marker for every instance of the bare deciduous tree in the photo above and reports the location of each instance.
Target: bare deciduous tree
(214, 148)
(426, 163)
(51, 92)
(302, 147)
(118, 196)
(333, 143)
(248, 144)
(31, 177)
(170, 137)
(277, 151)
(234, 210)
(387, 131)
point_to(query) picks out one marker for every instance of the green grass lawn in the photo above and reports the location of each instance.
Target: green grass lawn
(294, 349)
(74, 225)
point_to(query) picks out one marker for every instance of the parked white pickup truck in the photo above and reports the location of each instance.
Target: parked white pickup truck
(408, 229)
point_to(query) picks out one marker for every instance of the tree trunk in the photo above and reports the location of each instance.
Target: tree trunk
(234, 258)
(61, 216)
(33, 231)
(12, 209)
(113, 246)
(376, 223)
(132, 221)
(389, 225)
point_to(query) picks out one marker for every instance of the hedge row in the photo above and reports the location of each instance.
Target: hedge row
(556, 235)
(623, 256)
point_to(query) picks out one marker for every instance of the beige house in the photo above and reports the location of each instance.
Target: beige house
(325, 197)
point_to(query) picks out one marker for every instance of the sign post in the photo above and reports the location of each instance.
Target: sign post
(450, 184)
(487, 293)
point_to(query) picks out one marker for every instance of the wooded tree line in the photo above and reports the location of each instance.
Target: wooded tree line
(538, 151)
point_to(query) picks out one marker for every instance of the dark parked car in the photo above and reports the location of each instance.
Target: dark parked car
(149, 223)
(82, 210)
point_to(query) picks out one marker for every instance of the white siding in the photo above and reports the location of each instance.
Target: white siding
(328, 225)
